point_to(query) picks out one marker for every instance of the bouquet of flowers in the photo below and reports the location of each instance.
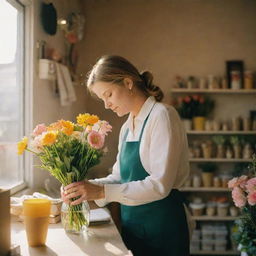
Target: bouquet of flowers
(194, 105)
(68, 150)
(244, 197)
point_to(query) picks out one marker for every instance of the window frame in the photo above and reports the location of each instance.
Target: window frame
(26, 77)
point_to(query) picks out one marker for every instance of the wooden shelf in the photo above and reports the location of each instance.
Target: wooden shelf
(229, 252)
(221, 132)
(204, 189)
(213, 218)
(220, 160)
(220, 91)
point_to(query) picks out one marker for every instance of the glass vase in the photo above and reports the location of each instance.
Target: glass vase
(75, 218)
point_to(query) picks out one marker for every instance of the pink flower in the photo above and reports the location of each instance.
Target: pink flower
(187, 99)
(36, 144)
(72, 37)
(105, 127)
(40, 128)
(238, 181)
(232, 183)
(242, 181)
(95, 139)
(252, 198)
(251, 185)
(238, 197)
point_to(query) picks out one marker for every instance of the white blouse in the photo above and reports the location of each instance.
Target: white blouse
(163, 154)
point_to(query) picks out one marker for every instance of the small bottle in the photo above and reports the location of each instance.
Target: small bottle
(216, 182)
(248, 79)
(212, 82)
(202, 83)
(235, 80)
(224, 83)
(196, 181)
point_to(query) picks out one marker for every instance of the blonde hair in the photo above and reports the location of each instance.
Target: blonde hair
(113, 69)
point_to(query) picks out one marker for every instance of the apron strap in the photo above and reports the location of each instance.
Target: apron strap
(142, 129)
(144, 124)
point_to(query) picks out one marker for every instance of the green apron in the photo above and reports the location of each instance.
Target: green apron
(157, 228)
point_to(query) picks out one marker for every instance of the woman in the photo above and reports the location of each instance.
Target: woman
(152, 162)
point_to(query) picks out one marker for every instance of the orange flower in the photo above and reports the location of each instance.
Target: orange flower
(49, 138)
(67, 127)
(54, 126)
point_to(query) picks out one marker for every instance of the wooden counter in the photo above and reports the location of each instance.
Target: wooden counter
(101, 240)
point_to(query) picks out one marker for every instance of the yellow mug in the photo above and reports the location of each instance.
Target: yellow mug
(36, 213)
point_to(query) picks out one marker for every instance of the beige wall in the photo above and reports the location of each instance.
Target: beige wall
(169, 37)
(46, 105)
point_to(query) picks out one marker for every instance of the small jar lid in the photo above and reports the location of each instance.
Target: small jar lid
(197, 205)
(222, 205)
(211, 204)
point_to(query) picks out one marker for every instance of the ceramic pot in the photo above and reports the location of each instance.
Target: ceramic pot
(199, 123)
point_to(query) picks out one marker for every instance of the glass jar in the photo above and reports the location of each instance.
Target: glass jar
(248, 79)
(216, 182)
(75, 218)
(222, 209)
(210, 208)
(196, 182)
(197, 208)
(235, 80)
(233, 211)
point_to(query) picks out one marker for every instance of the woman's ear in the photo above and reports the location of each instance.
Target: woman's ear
(128, 83)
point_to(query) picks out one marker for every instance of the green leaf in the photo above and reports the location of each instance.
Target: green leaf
(76, 173)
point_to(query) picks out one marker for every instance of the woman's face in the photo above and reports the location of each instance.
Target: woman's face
(118, 98)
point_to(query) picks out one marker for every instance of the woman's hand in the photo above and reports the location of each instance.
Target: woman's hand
(63, 195)
(84, 190)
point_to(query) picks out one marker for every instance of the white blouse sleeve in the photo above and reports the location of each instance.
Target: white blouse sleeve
(165, 148)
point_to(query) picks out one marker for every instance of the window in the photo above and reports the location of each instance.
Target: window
(12, 92)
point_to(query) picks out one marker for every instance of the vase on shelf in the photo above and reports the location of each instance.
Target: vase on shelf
(237, 151)
(187, 124)
(207, 178)
(220, 151)
(75, 218)
(207, 149)
(199, 123)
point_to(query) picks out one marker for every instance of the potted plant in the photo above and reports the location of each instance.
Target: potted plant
(207, 149)
(207, 173)
(235, 141)
(185, 110)
(194, 107)
(219, 140)
(202, 107)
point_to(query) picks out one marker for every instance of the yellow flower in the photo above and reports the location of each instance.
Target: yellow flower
(87, 119)
(22, 145)
(67, 127)
(49, 138)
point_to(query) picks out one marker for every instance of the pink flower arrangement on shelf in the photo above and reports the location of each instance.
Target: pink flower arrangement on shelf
(194, 105)
(243, 190)
(244, 197)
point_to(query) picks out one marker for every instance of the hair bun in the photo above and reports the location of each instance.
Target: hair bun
(152, 89)
(147, 78)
